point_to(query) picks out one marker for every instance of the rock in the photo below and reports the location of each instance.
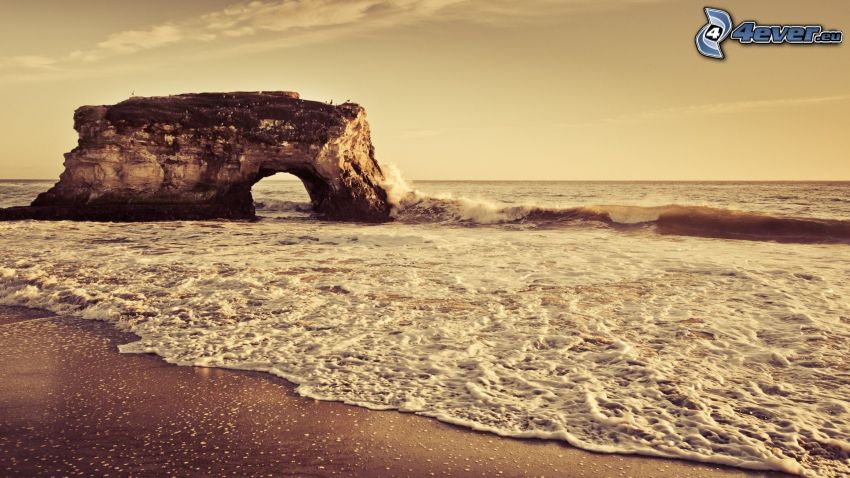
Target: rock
(196, 156)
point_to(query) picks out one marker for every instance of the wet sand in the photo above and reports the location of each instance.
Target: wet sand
(71, 405)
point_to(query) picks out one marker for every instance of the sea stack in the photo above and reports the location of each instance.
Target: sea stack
(196, 156)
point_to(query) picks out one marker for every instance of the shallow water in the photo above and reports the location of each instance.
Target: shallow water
(468, 309)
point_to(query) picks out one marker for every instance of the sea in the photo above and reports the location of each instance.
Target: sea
(705, 321)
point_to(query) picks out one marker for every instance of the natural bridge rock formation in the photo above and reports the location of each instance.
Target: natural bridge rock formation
(196, 156)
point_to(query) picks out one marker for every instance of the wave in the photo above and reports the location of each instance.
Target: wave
(728, 224)
(280, 205)
(412, 206)
(681, 220)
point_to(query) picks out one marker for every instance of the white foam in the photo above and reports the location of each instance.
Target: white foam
(717, 351)
(410, 204)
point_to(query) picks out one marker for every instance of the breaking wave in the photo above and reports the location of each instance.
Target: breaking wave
(412, 206)
(698, 221)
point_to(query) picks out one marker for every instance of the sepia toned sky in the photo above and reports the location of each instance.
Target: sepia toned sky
(456, 89)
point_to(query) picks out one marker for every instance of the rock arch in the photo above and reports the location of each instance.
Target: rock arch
(196, 156)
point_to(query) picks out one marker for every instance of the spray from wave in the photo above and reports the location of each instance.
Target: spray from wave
(412, 206)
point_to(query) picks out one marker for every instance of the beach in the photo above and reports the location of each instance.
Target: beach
(71, 405)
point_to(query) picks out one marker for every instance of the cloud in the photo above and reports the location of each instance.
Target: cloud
(27, 61)
(131, 41)
(284, 16)
(705, 109)
(86, 56)
(120, 43)
(721, 108)
(239, 32)
(280, 19)
(269, 24)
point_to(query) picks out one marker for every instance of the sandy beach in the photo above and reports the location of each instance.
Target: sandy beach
(71, 405)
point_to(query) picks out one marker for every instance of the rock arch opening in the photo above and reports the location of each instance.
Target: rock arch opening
(319, 192)
(281, 194)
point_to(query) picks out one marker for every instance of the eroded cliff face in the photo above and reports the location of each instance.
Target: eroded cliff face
(196, 156)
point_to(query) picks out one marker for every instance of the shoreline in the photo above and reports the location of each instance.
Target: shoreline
(72, 405)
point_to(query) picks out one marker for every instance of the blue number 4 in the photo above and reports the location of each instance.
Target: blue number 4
(744, 32)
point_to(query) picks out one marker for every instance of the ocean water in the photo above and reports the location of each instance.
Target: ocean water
(703, 321)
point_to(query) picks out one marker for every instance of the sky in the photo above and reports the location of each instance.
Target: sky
(455, 89)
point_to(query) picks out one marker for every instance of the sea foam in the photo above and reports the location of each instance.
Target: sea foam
(728, 352)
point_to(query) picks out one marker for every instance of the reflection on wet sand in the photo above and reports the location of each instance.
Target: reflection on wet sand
(71, 405)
